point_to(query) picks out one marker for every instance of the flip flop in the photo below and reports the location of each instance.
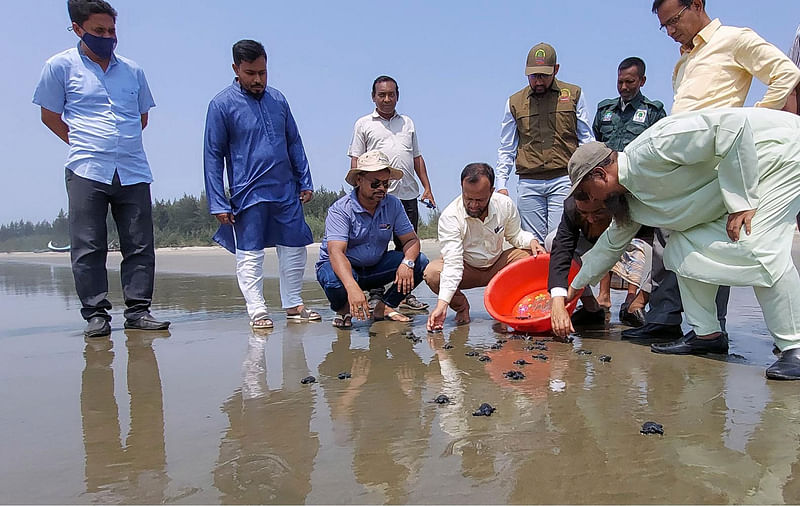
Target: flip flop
(390, 316)
(343, 321)
(304, 316)
(262, 323)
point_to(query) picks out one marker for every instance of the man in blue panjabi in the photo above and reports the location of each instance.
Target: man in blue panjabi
(251, 136)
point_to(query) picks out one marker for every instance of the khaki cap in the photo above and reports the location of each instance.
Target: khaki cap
(583, 160)
(541, 59)
(372, 161)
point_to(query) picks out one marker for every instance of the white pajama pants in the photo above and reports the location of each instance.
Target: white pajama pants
(250, 274)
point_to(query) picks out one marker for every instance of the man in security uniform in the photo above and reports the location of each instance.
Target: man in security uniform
(620, 120)
(543, 124)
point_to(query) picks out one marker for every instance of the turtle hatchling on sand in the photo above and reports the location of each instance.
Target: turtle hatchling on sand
(442, 399)
(343, 375)
(652, 428)
(485, 409)
(308, 379)
(514, 375)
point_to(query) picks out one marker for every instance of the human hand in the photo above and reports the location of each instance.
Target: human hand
(428, 195)
(537, 248)
(359, 308)
(404, 279)
(559, 318)
(306, 196)
(225, 218)
(572, 293)
(735, 222)
(503, 191)
(436, 318)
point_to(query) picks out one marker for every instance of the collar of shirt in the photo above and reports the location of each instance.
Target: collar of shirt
(704, 35)
(376, 115)
(358, 208)
(637, 100)
(112, 61)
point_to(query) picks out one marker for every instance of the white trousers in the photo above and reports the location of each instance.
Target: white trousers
(250, 274)
(780, 304)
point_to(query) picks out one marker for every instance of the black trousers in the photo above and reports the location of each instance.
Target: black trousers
(412, 211)
(131, 208)
(665, 298)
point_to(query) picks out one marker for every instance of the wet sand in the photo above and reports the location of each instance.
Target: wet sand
(212, 413)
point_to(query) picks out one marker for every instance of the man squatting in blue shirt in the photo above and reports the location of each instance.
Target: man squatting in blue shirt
(97, 102)
(250, 132)
(353, 256)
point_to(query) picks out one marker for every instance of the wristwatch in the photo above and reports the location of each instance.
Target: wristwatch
(408, 263)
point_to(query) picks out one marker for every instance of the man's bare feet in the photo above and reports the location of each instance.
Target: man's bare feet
(462, 317)
(379, 314)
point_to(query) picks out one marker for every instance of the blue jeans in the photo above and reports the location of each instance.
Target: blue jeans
(541, 204)
(374, 276)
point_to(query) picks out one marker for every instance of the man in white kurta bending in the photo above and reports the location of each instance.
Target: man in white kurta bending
(726, 183)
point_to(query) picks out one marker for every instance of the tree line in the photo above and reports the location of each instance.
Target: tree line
(180, 222)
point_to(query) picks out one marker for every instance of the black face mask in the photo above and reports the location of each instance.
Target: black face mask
(101, 46)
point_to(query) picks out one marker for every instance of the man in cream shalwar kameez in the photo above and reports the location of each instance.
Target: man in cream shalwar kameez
(688, 174)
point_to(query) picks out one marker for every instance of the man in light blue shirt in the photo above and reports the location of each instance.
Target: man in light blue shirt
(542, 126)
(97, 102)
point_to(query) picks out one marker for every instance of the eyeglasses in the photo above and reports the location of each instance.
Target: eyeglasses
(377, 183)
(673, 20)
(539, 77)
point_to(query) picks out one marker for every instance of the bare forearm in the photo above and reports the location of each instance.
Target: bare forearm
(57, 126)
(343, 270)
(411, 248)
(422, 172)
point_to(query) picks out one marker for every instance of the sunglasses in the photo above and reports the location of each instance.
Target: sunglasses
(377, 183)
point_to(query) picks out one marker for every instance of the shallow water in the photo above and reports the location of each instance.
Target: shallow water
(212, 413)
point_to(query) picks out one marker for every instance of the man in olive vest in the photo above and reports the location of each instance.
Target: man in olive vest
(543, 124)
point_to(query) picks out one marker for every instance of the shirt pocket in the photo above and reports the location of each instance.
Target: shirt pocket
(635, 128)
(404, 141)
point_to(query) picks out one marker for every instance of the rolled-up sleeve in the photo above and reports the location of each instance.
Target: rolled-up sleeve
(451, 239)
(507, 152)
(769, 65)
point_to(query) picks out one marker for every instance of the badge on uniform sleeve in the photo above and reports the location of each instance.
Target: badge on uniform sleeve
(608, 116)
(640, 116)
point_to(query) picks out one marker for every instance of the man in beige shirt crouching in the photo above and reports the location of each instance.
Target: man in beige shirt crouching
(471, 233)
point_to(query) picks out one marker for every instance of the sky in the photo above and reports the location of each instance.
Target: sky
(456, 63)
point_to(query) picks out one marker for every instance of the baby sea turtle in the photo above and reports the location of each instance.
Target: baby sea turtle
(539, 347)
(442, 399)
(521, 361)
(485, 409)
(604, 358)
(540, 356)
(583, 352)
(485, 358)
(343, 375)
(652, 428)
(447, 346)
(501, 341)
(308, 379)
(540, 342)
(472, 353)
(496, 346)
(514, 375)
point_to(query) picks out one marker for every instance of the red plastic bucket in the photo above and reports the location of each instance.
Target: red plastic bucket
(519, 285)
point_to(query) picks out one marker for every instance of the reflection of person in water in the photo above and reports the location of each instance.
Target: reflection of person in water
(133, 471)
(381, 406)
(268, 452)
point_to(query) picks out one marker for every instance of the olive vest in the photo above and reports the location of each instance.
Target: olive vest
(547, 127)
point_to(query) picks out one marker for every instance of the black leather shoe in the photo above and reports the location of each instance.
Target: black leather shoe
(146, 322)
(97, 327)
(787, 367)
(583, 317)
(690, 344)
(631, 318)
(653, 331)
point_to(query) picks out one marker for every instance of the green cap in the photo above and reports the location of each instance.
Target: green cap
(583, 160)
(541, 59)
